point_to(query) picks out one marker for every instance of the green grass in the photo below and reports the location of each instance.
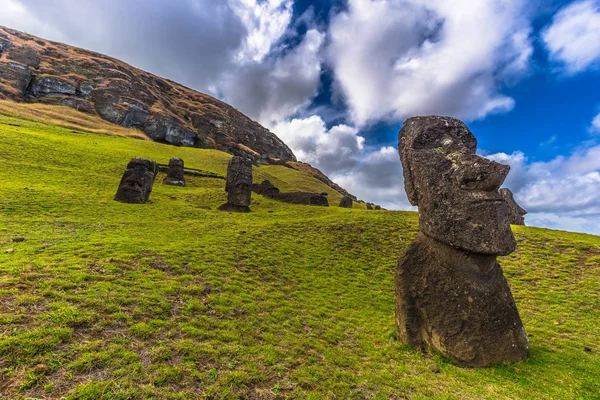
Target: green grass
(105, 300)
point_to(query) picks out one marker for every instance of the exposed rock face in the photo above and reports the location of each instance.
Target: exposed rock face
(451, 295)
(38, 70)
(346, 202)
(175, 173)
(516, 214)
(238, 185)
(136, 183)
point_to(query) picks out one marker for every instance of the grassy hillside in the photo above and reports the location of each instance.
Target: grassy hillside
(104, 300)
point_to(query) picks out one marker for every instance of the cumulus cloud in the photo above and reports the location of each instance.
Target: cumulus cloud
(572, 39)
(232, 48)
(561, 193)
(595, 127)
(396, 58)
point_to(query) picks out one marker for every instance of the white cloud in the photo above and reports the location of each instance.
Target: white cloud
(561, 193)
(330, 150)
(397, 58)
(573, 38)
(595, 127)
(266, 23)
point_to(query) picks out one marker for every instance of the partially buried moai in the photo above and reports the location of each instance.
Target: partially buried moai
(516, 214)
(346, 202)
(137, 181)
(451, 295)
(175, 173)
(238, 185)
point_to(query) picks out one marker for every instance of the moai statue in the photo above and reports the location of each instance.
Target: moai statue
(175, 173)
(369, 206)
(136, 183)
(451, 295)
(516, 214)
(346, 202)
(377, 207)
(238, 185)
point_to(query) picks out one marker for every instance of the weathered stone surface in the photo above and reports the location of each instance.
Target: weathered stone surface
(346, 202)
(377, 207)
(175, 173)
(138, 179)
(17, 75)
(50, 86)
(451, 295)
(516, 214)
(238, 185)
(369, 206)
(266, 188)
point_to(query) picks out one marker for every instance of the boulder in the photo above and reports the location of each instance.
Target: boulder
(137, 181)
(50, 86)
(175, 173)
(238, 185)
(451, 294)
(516, 214)
(346, 202)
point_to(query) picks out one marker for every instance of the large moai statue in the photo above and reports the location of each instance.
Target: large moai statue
(175, 173)
(238, 185)
(516, 214)
(451, 295)
(136, 183)
(346, 202)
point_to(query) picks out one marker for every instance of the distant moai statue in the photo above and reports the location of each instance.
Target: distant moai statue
(451, 295)
(346, 202)
(238, 185)
(377, 207)
(516, 214)
(175, 173)
(136, 183)
(369, 206)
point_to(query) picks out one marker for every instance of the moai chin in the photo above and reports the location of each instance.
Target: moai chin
(175, 173)
(451, 295)
(136, 183)
(238, 185)
(516, 214)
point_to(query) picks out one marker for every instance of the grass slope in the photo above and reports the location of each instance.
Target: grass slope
(105, 300)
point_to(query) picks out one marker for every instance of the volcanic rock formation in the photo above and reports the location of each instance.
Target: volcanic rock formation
(238, 185)
(175, 173)
(516, 214)
(451, 295)
(136, 183)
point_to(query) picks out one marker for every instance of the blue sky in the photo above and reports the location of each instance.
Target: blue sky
(335, 79)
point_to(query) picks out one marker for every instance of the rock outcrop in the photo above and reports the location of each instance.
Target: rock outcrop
(175, 173)
(346, 202)
(238, 185)
(137, 181)
(451, 295)
(34, 69)
(516, 214)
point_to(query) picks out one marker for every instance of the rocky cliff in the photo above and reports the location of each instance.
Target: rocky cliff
(37, 70)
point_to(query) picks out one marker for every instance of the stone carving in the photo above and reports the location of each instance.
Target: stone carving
(516, 214)
(267, 189)
(377, 207)
(136, 183)
(238, 185)
(175, 173)
(451, 295)
(369, 206)
(346, 202)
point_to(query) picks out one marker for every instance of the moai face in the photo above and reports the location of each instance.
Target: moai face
(136, 183)
(239, 181)
(455, 189)
(175, 174)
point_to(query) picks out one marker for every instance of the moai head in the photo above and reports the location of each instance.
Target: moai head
(239, 181)
(455, 189)
(175, 173)
(136, 183)
(516, 214)
(346, 202)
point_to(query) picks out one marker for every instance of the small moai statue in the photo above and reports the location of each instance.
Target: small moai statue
(377, 207)
(175, 173)
(451, 294)
(346, 202)
(516, 214)
(238, 185)
(136, 183)
(369, 206)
